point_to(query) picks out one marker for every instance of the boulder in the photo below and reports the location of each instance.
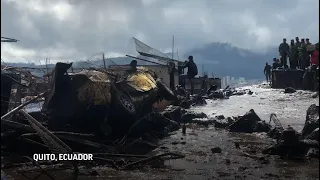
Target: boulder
(312, 120)
(289, 90)
(246, 123)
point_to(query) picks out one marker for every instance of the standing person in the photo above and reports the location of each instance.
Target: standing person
(308, 41)
(293, 56)
(303, 54)
(298, 43)
(192, 71)
(267, 72)
(315, 56)
(310, 51)
(284, 52)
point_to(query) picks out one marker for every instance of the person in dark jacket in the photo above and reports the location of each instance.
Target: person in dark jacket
(267, 72)
(192, 71)
(275, 63)
(284, 52)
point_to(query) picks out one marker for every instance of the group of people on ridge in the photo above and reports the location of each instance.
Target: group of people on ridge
(301, 54)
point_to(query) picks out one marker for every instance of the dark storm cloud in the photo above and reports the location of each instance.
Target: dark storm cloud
(78, 28)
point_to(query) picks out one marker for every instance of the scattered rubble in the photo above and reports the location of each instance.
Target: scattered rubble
(312, 120)
(112, 117)
(289, 90)
(294, 144)
(248, 123)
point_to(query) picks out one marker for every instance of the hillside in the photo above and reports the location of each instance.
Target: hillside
(220, 59)
(223, 59)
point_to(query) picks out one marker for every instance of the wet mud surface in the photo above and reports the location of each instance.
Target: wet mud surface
(217, 154)
(201, 163)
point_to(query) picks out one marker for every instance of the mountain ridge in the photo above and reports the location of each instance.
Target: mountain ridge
(219, 59)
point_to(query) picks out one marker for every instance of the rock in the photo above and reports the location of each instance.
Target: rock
(275, 133)
(173, 112)
(250, 92)
(185, 104)
(299, 149)
(289, 90)
(262, 126)
(228, 92)
(198, 100)
(189, 116)
(314, 135)
(228, 161)
(237, 145)
(315, 95)
(239, 93)
(216, 94)
(216, 150)
(206, 122)
(246, 123)
(290, 136)
(313, 153)
(312, 120)
(223, 123)
(220, 117)
(212, 89)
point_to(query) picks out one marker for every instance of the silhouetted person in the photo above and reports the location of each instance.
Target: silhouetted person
(275, 63)
(267, 72)
(310, 51)
(308, 41)
(192, 71)
(293, 56)
(303, 54)
(297, 47)
(284, 52)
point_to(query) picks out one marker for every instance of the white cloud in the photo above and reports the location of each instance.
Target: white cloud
(74, 29)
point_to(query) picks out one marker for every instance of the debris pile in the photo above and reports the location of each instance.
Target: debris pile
(93, 111)
(294, 144)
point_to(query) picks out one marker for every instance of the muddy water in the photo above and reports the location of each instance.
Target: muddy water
(200, 163)
(290, 108)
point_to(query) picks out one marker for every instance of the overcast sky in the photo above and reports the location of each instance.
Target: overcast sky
(75, 29)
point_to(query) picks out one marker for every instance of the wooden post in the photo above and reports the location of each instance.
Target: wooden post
(104, 62)
(171, 73)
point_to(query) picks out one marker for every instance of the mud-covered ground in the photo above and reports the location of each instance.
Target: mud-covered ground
(245, 162)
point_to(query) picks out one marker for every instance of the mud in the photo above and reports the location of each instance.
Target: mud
(200, 163)
(241, 154)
